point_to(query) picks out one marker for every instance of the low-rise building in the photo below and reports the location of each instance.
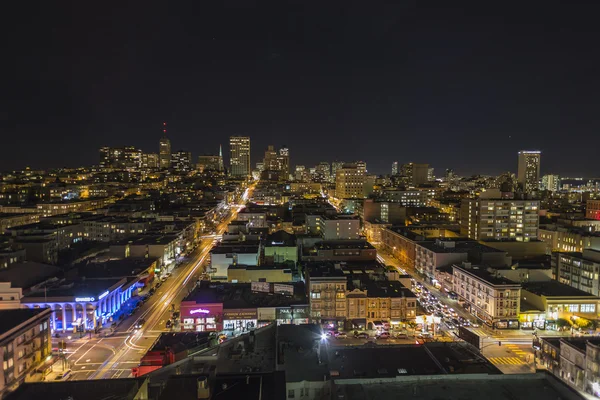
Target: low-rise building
(240, 273)
(340, 250)
(492, 299)
(560, 301)
(281, 247)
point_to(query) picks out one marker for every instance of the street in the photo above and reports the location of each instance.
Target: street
(513, 356)
(114, 356)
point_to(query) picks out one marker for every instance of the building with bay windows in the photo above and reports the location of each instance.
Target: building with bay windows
(579, 270)
(491, 298)
(25, 344)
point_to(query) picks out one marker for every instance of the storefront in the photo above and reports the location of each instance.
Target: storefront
(266, 315)
(296, 315)
(507, 324)
(240, 320)
(201, 317)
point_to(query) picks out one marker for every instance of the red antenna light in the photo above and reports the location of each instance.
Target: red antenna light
(164, 131)
(164, 124)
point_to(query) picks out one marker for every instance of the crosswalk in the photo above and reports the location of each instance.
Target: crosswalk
(506, 361)
(515, 349)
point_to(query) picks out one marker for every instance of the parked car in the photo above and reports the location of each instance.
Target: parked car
(341, 335)
(361, 335)
(384, 335)
(401, 336)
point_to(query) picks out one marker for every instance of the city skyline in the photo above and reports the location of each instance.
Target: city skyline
(437, 85)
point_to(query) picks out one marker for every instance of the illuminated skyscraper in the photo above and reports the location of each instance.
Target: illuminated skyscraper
(165, 149)
(239, 150)
(395, 168)
(528, 173)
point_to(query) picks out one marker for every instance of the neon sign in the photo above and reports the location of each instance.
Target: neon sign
(103, 295)
(78, 299)
(199, 311)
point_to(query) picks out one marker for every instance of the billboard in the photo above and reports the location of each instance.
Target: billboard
(283, 289)
(469, 337)
(264, 287)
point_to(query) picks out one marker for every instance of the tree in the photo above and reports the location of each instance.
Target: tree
(563, 323)
(412, 325)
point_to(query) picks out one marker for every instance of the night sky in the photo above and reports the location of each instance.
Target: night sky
(456, 85)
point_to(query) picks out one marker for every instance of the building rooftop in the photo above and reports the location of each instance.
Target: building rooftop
(73, 288)
(114, 268)
(540, 386)
(323, 270)
(148, 240)
(240, 295)
(10, 319)
(482, 273)
(299, 350)
(280, 239)
(343, 244)
(555, 289)
(236, 247)
(266, 386)
(27, 274)
(458, 245)
(179, 341)
(122, 389)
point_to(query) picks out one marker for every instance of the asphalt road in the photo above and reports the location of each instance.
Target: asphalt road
(513, 356)
(114, 356)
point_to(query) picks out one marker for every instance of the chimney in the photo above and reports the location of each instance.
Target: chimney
(203, 389)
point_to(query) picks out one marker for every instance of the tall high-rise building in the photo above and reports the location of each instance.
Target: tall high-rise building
(127, 157)
(334, 167)
(528, 173)
(270, 161)
(150, 161)
(551, 183)
(323, 172)
(221, 165)
(430, 175)
(284, 161)
(301, 173)
(239, 150)
(417, 173)
(181, 161)
(395, 168)
(208, 163)
(164, 153)
(350, 181)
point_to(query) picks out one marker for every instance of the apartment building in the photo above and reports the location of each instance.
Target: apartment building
(327, 286)
(25, 342)
(492, 299)
(500, 219)
(579, 270)
(350, 182)
(564, 239)
(592, 209)
(339, 226)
